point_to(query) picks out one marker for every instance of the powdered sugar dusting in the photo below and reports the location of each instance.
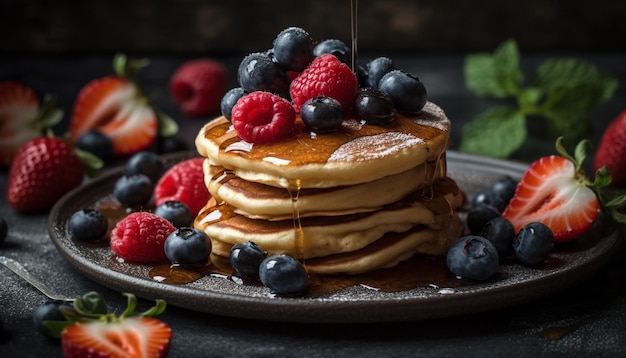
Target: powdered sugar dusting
(374, 147)
(442, 125)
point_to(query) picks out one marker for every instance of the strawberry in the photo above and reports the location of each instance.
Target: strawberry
(198, 87)
(89, 330)
(555, 191)
(140, 237)
(43, 170)
(21, 118)
(612, 150)
(184, 182)
(114, 106)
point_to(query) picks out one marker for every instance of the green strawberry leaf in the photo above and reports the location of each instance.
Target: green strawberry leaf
(497, 132)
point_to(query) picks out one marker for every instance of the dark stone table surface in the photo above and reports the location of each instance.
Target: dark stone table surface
(514, 332)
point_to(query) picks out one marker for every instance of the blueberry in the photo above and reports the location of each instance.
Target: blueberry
(488, 197)
(96, 143)
(188, 246)
(176, 212)
(533, 243)
(88, 225)
(133, 190)
(501, 233)
(4, 230)
(334, 47)
(283, 274)
(473, 257)
(47, 312)
(377, 68)
(406, 91)
(171, 144)
(293, 49)
(374, 107)
(246, 258)
(258, 72)
(479, 215)
(146, 163)
(322, 114)
(229, 100)
(504, 188)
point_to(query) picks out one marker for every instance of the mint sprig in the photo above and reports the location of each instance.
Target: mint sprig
(562, 92)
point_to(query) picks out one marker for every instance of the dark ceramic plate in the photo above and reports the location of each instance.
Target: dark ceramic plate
(567, 265)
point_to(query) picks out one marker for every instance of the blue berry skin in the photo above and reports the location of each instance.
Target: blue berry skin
(283, 274)
(133, 190)
(293, 49)
(4, 230)
(479, 215)
(504, 188)
(488, 197)
(533, 243)
(49, 311)
(96, 143)
(170, 144)
(88, 225)
(334, 47)
(501, 233)
(229, 100)
(374, 107)
(188, 247)
(322, 114)
(147, 163)
(473, 257)
(406, 91)
(258, 72)
(377, 68)
(246, 258)
(176, 212)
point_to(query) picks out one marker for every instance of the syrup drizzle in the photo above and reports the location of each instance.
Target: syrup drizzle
(353, 30)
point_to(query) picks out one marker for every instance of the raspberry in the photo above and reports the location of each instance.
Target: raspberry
(262, 116)
(197, 86)
(140, 238)
(326, 76)
(183, 182)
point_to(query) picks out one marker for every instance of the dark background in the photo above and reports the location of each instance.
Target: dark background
(235, 26)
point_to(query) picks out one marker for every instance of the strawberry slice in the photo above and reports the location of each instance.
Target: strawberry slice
(114, 106)
(555, 191)
(130, 337)
(21, 118)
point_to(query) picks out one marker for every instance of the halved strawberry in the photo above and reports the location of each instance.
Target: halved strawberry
(21, 118)
(90, 331)
(115, 106)
(554, 190)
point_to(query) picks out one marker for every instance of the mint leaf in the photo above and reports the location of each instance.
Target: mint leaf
(497, 132)
(496, 75)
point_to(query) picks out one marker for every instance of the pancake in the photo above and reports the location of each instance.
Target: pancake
(356, 153)
(431, 210)
(261, 201)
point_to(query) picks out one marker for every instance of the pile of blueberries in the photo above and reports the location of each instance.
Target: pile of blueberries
(383, 88)
(492, 238)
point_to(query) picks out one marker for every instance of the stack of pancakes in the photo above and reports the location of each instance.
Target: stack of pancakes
(352, 201)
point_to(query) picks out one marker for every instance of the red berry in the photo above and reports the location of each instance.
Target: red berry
(42, 171)
(140, 238)
(326, 76)
(198, 86)
(612, 150)
(262, 117)
(184, 182)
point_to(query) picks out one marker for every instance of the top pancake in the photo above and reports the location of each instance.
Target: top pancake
(356, 153)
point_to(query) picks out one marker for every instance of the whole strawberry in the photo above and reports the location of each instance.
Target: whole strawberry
(198, 87)
(43, 170)
(611, 151)
(140, 237)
